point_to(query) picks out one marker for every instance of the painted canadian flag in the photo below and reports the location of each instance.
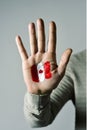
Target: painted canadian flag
(41, 71)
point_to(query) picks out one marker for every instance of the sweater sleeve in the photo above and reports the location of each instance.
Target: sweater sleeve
(41, 110)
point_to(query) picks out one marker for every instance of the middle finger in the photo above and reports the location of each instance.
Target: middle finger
(41, 35)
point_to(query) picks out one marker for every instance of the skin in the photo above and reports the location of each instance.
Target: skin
(39, 54)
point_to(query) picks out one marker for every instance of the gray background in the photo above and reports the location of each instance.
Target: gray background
(15, 15)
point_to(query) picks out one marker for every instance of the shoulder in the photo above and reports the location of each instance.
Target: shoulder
(78, 59)
(77, 62)
(79, 56)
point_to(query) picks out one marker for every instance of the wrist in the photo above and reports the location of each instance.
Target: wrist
(39, 92)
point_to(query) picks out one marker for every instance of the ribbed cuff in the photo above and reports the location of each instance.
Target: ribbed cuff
(37, 101)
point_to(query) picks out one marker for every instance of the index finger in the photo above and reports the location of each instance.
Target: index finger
(21, 48)
(52, 37)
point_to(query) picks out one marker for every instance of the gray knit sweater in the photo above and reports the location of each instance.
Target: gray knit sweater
(40, 110)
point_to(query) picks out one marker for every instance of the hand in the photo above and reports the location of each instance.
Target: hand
(39, 55)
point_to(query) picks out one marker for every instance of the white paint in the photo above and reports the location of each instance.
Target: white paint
(41, 76)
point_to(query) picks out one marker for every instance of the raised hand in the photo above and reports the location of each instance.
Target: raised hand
(40, 70)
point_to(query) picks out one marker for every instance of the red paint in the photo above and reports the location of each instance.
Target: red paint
(40, 71)
(47, 70)
(34, 73)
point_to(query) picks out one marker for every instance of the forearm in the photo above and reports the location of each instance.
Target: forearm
(37, 110)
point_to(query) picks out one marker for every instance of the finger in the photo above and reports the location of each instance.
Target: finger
(21, 48)
(64, 61)
(32, 36)
(52, 37)
(41, 35)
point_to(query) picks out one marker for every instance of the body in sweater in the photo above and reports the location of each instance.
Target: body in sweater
(41, 110)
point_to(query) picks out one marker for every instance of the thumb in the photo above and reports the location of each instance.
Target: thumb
(64, 61)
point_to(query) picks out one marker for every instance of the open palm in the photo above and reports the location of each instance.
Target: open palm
(40, 55)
